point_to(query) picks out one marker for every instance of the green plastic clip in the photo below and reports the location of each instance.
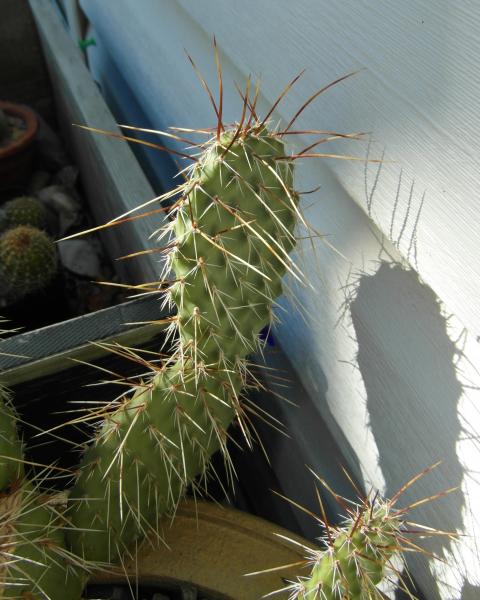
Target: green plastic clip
(84, 44)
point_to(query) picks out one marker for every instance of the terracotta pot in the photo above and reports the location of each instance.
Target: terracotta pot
(17, 155)
(212, 548)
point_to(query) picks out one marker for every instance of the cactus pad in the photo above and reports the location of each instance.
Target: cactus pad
(34, 564)
(232, 232)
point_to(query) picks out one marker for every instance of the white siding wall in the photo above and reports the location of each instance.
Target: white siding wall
(390, 354)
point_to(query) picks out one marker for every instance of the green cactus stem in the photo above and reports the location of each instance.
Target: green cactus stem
(233, 230)
(34, 562)
(11, 450)
(364, 551)
(357, 559)
(28, 260)
(25, 210)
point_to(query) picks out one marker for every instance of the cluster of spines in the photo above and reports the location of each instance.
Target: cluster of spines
(365, 550)
(34, 561)
(357, 557)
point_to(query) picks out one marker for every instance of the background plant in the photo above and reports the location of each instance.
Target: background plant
(28, 260)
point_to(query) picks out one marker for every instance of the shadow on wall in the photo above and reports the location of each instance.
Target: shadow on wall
(315, 439)
(309, 441)
(407, 361)
(470, 592)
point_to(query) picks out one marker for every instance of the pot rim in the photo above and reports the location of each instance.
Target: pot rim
(213, 547)
(31, 123)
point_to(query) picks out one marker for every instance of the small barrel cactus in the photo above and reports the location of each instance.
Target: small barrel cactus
(25, 210)
(28, 260)
(11, 450)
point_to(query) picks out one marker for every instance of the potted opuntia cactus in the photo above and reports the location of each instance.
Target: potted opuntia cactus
(228, 245)
(18, 127)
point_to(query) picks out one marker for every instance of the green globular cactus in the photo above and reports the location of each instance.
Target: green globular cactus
(25, 210)
(28, 260)
(233, 230)
(4, 127)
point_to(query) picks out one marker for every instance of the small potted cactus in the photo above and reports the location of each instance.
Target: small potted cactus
(23, 210)
(28, 260)
(30, 274)
(18, 127)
